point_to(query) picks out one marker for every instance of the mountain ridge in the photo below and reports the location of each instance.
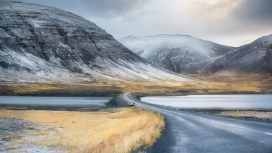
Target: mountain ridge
(172, 52)
(45, 44)
(249, 58)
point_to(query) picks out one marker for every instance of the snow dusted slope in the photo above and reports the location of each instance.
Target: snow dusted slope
(45, 44)
(255, 57)
(174, 52)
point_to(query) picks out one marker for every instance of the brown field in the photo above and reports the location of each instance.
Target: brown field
(208, 84)
(235, 83)
(224, 83)
(52, 89)
(122, 131)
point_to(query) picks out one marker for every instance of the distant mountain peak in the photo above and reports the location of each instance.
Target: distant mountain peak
(187, 54)
(174, 52)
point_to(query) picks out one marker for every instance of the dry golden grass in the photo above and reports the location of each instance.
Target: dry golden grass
(208, 84)
(235, 83)
(91, 131)
(59, 89)
(226, 82)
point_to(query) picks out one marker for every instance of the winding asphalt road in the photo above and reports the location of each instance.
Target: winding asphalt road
(201, 133)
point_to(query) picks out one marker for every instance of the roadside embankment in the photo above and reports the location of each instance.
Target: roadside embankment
(264, 115)
(247, 114)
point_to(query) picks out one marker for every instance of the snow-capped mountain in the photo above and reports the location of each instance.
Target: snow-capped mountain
(255, 57)
(174, 52)
(45, 44)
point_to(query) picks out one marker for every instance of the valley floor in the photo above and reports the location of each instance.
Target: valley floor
(208, 84)
(227, 83)
(107, 130)
(237, 83)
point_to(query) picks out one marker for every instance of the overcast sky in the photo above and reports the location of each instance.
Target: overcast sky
(228, 22)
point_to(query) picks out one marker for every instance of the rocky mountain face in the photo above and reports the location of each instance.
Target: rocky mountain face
(255, 57)
(174, 52)
(45, 44)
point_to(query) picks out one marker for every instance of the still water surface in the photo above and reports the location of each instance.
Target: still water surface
(55, 101)
(214, 101)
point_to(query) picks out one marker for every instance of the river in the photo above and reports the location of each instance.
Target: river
(55, 101)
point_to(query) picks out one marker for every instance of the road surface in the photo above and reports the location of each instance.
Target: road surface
(187, 132)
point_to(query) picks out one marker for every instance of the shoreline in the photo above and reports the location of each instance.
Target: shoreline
(139, 95)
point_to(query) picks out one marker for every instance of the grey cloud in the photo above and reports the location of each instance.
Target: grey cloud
(221, 21)
(240, 18)
(254, 11)
(95, 8)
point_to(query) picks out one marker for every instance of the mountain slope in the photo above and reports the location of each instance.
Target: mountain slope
(174, 52)
(45, 44)
(255, 57)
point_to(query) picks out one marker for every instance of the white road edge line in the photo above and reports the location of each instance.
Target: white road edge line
(268, 133)
(223, 123)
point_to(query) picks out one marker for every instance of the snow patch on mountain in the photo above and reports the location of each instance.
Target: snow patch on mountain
(172, 52)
